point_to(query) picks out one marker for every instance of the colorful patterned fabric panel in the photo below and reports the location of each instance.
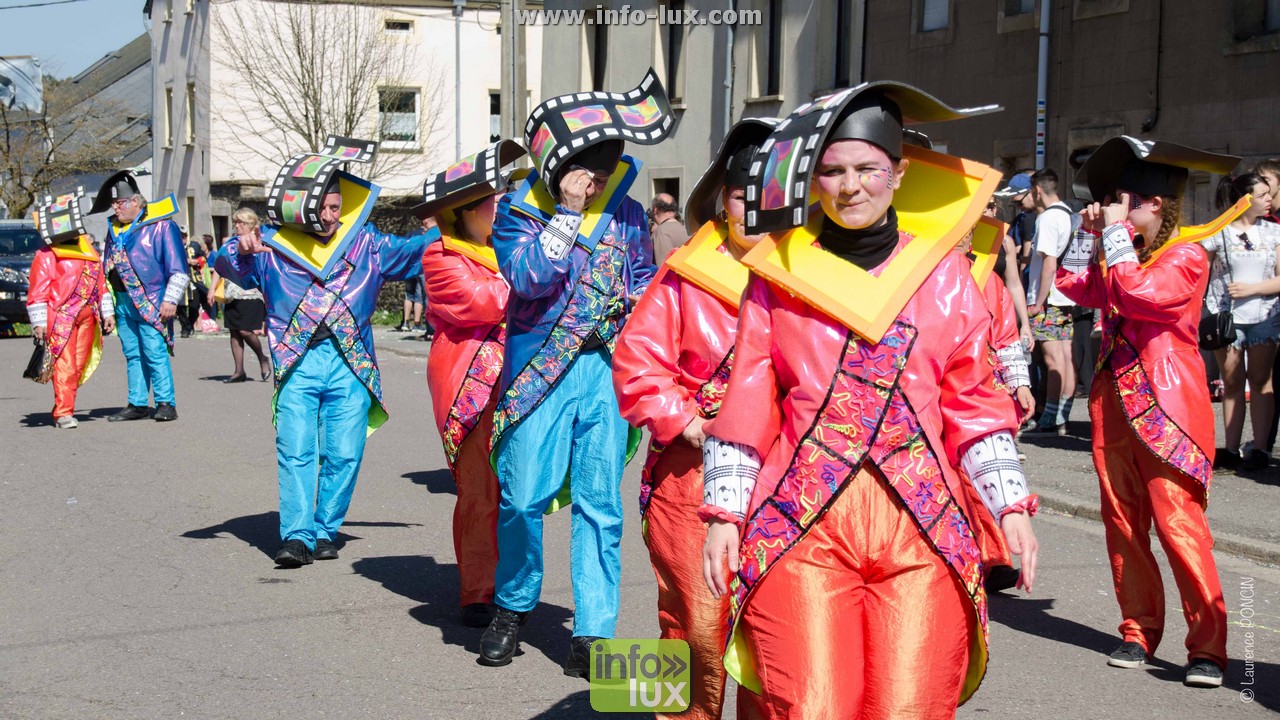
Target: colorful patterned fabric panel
(1155, 428)
(64, 319)
(866, 417)
(476, 391)
(596, 305)
(707, 402)
(323, 303)
(149, 312)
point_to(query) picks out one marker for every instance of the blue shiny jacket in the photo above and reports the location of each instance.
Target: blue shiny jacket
(378, 257)
(540, 287)
(155, 253)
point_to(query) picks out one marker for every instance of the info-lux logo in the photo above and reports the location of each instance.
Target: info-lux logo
(629, 675)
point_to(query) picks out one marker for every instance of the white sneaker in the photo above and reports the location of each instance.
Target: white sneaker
(66, 422)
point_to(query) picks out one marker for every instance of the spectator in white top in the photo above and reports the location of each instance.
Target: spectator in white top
(1050, 310)
(1245, 279)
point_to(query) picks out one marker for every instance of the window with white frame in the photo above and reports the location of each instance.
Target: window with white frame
(495, 116)
(398, 117)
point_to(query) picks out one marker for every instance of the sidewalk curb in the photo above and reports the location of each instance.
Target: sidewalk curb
(1238, 545)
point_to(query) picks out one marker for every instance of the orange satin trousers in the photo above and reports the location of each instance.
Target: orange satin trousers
(1137, 489)
(475, 515)
(70, 364)
(686, 609)
(860, 619)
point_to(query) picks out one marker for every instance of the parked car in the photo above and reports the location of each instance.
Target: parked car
(19, 241)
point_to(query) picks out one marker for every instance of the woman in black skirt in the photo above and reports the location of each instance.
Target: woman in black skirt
(245, 312)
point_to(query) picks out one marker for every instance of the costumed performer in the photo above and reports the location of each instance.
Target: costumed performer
(320, 267)
(577, 253)
(861, 387)
(1152, 419)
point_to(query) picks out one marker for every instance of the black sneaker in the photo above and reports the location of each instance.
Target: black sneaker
(165, 412)
(131, 412)
(476, 615)
(500, 640)
(1203, 673)
(1255, 461)
(293, 553)
(579, 663)
(1128, 655)
(325, 550)
(1227, 460)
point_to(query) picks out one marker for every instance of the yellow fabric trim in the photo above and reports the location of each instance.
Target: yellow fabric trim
(1193, 233)
(700, 262)
(316, 253)
(941, 198)
(540, 197)
(95, 354)
(988, 243)
(480, 253)
(81, 250)
(739, 665)
(162, 209)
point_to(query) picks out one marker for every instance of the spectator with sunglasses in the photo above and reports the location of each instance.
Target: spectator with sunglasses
(1245, 280)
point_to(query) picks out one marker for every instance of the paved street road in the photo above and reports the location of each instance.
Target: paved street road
(136, 581)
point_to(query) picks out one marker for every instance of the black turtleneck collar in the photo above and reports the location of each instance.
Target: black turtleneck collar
(866, 248)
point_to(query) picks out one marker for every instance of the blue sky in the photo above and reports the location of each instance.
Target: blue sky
(68, 38)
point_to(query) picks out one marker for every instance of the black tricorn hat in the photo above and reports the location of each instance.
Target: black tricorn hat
(469, 179)
(119, 185)
(1146, 167)
(778, 191)
(746, 134)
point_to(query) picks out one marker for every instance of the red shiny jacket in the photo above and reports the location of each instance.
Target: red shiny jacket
(465, 300)
(54, 279)
(672, 343)
(1158, 311)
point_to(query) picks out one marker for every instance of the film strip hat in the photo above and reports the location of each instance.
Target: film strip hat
(565, 125)
(1146, 167)
(471, 178)
(59, 219)
(778, 190)
(294, 198)
(728, 167)
(119, 185)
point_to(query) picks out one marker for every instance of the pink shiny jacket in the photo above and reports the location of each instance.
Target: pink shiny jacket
(53, 280)
(465, 300)
(787, 352)
(672, 343)
(1004, 319)
(1157, 310)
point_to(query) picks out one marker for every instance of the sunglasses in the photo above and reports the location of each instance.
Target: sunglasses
(1248, 244)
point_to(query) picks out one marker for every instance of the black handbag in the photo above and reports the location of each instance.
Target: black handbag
(36, 363)
(1218, 330)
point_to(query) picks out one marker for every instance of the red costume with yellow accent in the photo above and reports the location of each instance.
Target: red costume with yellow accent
(671, 365)
(858, 394)
(68, 297)
(467, 306)
(1153, 437)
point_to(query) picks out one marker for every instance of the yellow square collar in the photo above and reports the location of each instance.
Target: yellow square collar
(481, 254)
(1194, 233)
(988, 242)
(304, 248)
(700, 262)
(941, 198)
(600, 209)
(82, 249)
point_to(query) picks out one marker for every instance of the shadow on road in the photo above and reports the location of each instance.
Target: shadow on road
(437, 482)
(45, 419)
(578, 705)
(435, 585)
(262, 531)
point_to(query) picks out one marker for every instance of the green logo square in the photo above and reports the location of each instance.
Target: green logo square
(647, 675)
